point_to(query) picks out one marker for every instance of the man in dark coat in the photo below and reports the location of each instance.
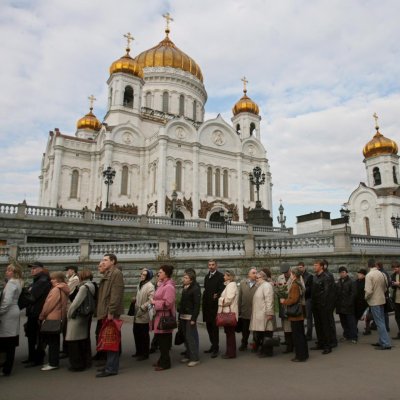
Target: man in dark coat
(39, 290)
(345, 301)
(321, 295)
(213, 287)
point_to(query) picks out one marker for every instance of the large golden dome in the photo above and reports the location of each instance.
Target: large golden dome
(89, 121)
(126, 64)
(245, 104)
(166, 54)
(379, 145)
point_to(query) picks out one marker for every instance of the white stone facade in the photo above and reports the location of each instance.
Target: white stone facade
(153, 150)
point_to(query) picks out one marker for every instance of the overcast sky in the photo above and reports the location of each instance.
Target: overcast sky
(317, 69)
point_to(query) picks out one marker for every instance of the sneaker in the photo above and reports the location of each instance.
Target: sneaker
(193, 363)
(184, 360)
(48, 368)
(354, 341)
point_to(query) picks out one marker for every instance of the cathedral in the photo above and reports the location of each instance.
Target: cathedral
(372, 205)
(154, 137)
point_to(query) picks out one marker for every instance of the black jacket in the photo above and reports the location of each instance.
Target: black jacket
(360, 303)
(345, 296)
(323, 291)
(190, 301)
(213, 285)
(394, 288)
(308, 279)
(39, 290)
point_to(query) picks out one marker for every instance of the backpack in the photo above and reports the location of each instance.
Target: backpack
(88, 305)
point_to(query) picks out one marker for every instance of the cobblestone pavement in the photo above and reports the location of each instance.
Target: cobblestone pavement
(351, 371)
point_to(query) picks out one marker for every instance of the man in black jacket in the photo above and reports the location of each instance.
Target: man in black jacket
(345, 302)
(213, 287)
(321, 295)
(39, 290)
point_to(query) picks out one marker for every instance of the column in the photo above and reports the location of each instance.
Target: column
(92, 179)
(56, 177)
(195, 180)
(240, 186)
(162, 175)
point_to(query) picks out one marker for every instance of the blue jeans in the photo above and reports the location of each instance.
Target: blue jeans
(191, 340)
(112, 364)
(379, 318)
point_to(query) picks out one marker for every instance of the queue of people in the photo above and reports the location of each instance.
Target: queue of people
(250, 308)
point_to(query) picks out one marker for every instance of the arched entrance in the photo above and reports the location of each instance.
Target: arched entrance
(216, 217)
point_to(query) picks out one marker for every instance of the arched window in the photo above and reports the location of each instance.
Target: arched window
(394, 175)
(252, 128)
(377, 176)
(251, 191)
(194, 110)
(225, 183)
(217, 183)
(110, 93)
(148, 100)
(165, 102)
(238, 129)
(178, 176)
(182, 105)
(209, 181)
(124, 180)
(128, 97)
(367, 228)
(74, 184)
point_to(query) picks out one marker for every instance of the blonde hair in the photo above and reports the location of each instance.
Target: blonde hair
(17, 269)
(58, 276)
(231, 275)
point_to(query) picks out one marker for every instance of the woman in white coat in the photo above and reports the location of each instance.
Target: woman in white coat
(9, 315)
(262, 322)
(228, 302)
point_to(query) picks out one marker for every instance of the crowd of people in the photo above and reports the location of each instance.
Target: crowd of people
(62, 304)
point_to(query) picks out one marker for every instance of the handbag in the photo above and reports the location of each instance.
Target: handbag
(226, 319)
(131, 311)
(167, 322)
(294, 310)
(270, 342)
(51, 326)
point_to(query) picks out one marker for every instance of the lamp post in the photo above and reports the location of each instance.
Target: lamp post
(345, 213)
(108, 175)
(174, 197)
(257, 179)
(396, 224)
(227, 219)
(281, 218)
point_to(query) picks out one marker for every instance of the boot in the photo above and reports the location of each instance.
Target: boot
(289, 343)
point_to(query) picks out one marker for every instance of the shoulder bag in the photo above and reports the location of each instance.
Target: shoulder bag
(52, 326)
(226, 319)
(167, 322)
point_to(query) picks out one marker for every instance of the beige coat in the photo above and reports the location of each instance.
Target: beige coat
(111, 294)
(55, 306)
(263, 307)
(229, 298)
(144, 296)
(375, 287)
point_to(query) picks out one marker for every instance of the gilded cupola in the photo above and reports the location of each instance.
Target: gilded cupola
(379, 144)
(245, 104)
(166, 54)
(126, 63)
(89, 121)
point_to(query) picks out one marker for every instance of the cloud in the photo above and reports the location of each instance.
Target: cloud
(317, 69)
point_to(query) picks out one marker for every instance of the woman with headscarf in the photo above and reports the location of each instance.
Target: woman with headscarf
(9, 315)
(141, 324)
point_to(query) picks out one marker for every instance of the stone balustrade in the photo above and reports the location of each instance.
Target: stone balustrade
(125, 250)
(49, 252)
(370, 243)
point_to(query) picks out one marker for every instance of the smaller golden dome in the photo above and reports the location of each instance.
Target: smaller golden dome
(245, 104)
(379, 144)
(89, 121)
(127, 65)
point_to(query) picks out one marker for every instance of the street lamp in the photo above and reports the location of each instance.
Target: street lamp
(227, 219)
(345, 213)
(257, 179)
(396, 224)
(174, 197)
(108, 175)
(281, 218)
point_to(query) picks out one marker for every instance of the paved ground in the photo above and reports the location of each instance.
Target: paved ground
(350, 372)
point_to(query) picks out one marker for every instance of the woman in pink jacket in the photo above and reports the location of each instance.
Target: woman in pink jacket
(164, 304)
(54, 308)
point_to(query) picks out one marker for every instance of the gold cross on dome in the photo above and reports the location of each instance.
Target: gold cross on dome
(245, 82)
(129, 39)
(376, 120)
(168, 18)
(92, 99)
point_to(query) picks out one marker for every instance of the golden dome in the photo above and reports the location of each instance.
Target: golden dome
(166, 54)
(379, 144)
(89, 121)
(245, 104)
(126, 64)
